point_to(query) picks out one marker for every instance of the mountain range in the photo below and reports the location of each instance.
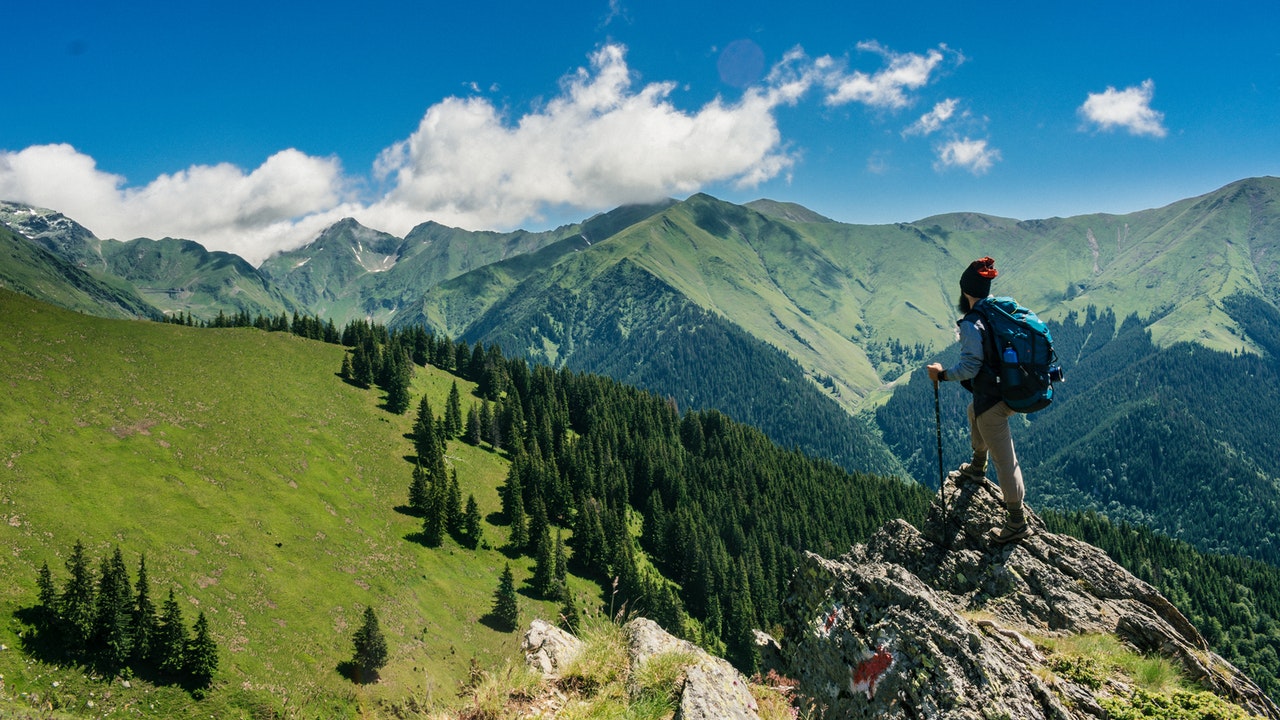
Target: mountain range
(811, 329)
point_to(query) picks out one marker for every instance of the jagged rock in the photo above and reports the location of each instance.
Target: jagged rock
(547, 648)
(713, 689)
(930, 624)
(770, 651)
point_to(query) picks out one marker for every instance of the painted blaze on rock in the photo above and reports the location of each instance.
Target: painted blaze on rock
(869, 671)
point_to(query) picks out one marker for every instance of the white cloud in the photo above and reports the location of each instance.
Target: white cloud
(226, 209)
(933, 120)
(972, 155)
(887, 87)
(1129, 109)
(601, 140)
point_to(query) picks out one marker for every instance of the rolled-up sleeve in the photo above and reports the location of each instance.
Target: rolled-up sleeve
(970, 353)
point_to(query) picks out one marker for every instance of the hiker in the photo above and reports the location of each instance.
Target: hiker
(988, 413)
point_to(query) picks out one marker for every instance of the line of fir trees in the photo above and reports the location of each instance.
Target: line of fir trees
(724, 512)
(311, 327)
(112, 625)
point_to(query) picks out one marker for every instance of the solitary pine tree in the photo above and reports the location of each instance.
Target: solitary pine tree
(171, 640)
(471, 523)
(77, 603)
(200, 657)
(506, 611)
(370, 648)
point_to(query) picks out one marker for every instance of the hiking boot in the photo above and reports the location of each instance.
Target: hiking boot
(1015, 528)
(973, 471)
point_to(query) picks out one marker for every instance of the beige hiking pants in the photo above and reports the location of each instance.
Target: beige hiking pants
(989, 433)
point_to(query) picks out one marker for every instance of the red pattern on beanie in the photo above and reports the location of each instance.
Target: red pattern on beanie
(985, 267)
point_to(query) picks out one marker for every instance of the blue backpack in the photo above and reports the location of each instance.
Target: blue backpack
(1019, 353)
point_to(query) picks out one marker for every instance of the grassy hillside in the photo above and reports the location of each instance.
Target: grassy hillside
(261, 488)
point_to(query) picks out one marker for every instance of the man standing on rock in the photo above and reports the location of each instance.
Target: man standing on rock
(988, 414)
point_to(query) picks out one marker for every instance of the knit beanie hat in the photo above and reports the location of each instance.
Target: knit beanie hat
(976, 280)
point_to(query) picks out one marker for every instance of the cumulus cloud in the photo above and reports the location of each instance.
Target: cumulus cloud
(933, 120)
(886, 88)
(603, 139)
(220, 205)
(972, 155)
(1129, 109)
(600, 142)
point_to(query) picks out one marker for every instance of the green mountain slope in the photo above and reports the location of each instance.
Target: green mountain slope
(173, 276)
(30, 269)
(861, 304)
(180, 276)
(56, 233)
(352, 272)
(261, 488)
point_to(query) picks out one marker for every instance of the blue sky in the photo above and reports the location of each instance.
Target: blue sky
(251, 126)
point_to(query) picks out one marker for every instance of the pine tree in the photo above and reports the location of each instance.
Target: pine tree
(434, 521)
(427, 444)
(48, 597)
(486, 422)
(346, 373)
(453, 505)
(561, 560)
(506, 610)
(453, 412)
(740, 641)
(570, 619)
(473, 426)
(77, 603)
(544, 566)
(419, 491)
(399, 375)
(111, 638)
(539, 534)
(145, 625)
(370, 648)
(171, 640)
(200, 655)
(471, 523)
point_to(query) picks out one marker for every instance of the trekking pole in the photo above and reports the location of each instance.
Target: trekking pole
(937, 417)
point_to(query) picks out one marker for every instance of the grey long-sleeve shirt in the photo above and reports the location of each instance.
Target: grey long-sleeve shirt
(971, 352)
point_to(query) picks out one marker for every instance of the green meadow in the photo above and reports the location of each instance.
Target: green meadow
(262, 489)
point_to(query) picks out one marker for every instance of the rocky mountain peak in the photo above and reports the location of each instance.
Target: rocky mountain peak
(939, 622)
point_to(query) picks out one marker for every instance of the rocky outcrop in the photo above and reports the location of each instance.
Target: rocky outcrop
(934, 623)
(710, 689)
(547, 648)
